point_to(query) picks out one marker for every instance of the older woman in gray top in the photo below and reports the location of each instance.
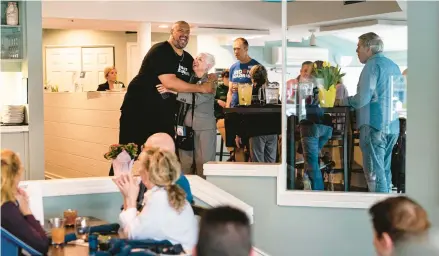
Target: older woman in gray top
(203, 122)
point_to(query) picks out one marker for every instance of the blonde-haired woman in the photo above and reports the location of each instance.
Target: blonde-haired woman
(110, 74)
(166, 214)
(16, 216)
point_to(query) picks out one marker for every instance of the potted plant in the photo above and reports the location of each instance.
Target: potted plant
(122, 157)
(327, 78)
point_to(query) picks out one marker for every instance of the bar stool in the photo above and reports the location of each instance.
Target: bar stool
(340, 119)
(340, 122)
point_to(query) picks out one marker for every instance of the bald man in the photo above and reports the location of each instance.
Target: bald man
(165, 142)
(144, 111)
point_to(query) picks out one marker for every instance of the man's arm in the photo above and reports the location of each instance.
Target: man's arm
(366, 86)
(229, 96)
(199, 97)
(171, 82)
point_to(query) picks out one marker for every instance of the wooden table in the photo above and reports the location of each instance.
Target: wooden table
(73, 249)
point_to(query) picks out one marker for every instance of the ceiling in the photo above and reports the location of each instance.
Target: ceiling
(225, 18)
(106, 25)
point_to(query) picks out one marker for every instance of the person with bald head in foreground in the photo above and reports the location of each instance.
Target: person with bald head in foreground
(144, 110)
(164, 142)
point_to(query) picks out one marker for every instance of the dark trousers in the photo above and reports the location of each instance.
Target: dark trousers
(135, 127)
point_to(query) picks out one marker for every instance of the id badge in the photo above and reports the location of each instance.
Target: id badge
(181, 130)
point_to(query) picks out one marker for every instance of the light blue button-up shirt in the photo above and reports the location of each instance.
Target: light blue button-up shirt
(374, 102)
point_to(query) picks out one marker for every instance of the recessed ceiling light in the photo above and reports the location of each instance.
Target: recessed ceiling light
(163, 26)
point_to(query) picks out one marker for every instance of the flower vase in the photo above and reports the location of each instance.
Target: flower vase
(122, 167)
(122, 164)
(327, 97)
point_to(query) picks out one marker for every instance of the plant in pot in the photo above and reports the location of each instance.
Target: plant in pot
(122, 157)
(327, 78)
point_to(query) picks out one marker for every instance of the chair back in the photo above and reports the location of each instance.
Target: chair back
(338, 118)
(12, 246)
(123, 247)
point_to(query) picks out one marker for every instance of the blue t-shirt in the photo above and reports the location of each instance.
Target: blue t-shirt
(240, 73)
(184, 184)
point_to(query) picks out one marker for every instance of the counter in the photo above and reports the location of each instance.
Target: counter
(14, 129)
(78, 129)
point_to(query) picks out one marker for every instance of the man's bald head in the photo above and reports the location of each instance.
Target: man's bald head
(162, 141)
(180, 32)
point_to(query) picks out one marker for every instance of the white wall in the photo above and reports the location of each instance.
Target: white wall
(119, 39)
(211, 44)
(12, 89)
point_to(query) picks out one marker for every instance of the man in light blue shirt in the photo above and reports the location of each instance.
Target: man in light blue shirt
(377, 119)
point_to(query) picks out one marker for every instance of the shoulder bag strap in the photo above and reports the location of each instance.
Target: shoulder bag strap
(193, 150)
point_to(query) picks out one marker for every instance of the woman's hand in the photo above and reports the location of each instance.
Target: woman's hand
(212, 77)
(161, 89)
(23, 202)
(127, 185)
(221, 103)
(128, 188)
(234, 87)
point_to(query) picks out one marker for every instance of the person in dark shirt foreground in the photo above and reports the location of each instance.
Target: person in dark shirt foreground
(224, 230)
(17, 217)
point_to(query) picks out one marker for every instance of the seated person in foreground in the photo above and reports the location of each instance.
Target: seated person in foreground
(17, 217)
(397, 220)
(224, 231)
(163, 141)
(166, 214)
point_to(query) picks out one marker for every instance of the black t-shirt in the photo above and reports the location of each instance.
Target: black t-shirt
(142, 97)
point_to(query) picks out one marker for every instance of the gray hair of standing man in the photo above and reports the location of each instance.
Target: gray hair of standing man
(372, 41)
(209, 59)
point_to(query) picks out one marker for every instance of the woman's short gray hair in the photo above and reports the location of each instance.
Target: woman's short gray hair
(209, 59)
(372, 41)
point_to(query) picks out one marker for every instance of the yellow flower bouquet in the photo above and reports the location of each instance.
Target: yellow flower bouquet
(327, 78)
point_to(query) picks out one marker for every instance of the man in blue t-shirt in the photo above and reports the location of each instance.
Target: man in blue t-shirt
(240, 71)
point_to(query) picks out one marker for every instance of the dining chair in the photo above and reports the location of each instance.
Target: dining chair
(12, 246)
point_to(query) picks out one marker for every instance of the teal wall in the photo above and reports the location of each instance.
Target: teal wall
(102, 206)
(311, 231)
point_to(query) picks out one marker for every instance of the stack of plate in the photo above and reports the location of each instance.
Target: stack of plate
(12, 114)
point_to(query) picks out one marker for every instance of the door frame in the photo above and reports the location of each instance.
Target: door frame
(129, 61)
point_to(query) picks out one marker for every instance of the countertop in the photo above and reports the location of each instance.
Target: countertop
(14, 129)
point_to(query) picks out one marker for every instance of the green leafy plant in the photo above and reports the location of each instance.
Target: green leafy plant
(115, 149)
(329, 74)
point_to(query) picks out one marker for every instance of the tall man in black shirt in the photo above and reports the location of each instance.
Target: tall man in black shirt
(144, 110)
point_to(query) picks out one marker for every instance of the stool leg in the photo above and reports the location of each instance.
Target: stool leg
(221, 150)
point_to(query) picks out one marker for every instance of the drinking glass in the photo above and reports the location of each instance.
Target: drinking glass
(70, 217)
(117, 86)
(245, 94)
(82, 226)
(58, 231)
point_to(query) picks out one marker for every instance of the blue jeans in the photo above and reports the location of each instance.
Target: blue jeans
(313, 138)
(376, 148)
